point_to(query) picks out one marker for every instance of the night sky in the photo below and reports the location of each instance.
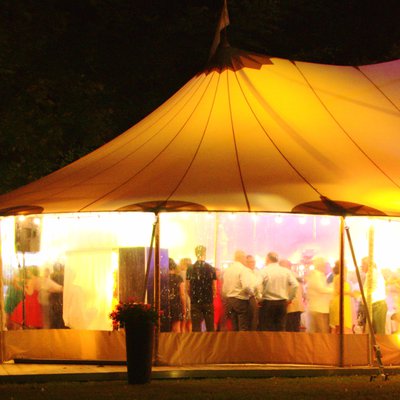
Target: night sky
(76, 73)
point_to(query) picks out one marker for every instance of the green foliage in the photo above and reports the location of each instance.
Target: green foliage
(133, 312)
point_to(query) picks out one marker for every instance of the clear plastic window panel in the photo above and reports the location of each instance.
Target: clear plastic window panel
(70, 270)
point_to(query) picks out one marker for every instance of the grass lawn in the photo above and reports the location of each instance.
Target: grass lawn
(348, 387)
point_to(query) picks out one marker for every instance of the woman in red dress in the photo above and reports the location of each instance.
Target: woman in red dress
(28, 313)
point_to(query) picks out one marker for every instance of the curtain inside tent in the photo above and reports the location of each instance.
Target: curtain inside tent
(88, 289)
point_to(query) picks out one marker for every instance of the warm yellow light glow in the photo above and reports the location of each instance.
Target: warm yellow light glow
(173, 235)
(259, 261)
(386, 240)
(114, 260)
(325, 221)
(302, 220)
(67, 232)
(184, 215)
(331, 261)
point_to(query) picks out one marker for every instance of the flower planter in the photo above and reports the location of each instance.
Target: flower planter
(139, 336)
(139, 320)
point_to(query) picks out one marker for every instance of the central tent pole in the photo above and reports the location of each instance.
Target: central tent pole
(157, 285)
(369, 277)
(148, 264)
(341, 293)
(216, 228)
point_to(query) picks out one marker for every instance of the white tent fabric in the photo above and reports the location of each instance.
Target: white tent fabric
(249, 133)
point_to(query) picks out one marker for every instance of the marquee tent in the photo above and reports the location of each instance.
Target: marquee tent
(249, 133)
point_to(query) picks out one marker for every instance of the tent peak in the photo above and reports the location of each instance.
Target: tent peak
(227, 57)
(220, 36)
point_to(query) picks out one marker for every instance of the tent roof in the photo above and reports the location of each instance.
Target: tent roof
(249, 133)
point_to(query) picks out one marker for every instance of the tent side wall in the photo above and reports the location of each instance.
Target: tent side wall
(195, 348)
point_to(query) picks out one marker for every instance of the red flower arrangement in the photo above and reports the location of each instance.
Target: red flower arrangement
(135, 312)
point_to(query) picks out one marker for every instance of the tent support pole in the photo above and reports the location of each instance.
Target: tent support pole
(2, 322)
(149, 258)
(341, 293)
(157, 285)
(368, 283)
(216, 240)
(376, 348)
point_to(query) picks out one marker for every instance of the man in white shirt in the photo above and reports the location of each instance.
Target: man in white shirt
(238, 286)
(253, 301)
(279, 286)
(295, 307)
(375, 289)
(319, 295)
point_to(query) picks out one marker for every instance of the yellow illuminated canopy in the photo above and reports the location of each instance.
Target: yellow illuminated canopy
(249, 133)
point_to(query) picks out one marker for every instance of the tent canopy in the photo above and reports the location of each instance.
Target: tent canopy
(249, 133)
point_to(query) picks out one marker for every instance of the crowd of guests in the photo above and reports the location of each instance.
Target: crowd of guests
(243, 297)
(34, 299)
(240, 297)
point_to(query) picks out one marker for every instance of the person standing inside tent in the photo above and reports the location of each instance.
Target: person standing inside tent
(28, 312)
(176, 297)
(295, 307)
(14, 295)
(46, 287)
(238, 287)
(279, 286)
(56, 298)
(376, 291)
(201, 282)
(186, 325)
(253, 302)
(361, 310)
(219, 308)
(334, 310)
(319, 295)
